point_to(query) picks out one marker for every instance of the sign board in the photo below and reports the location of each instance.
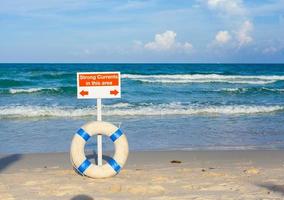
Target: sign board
(96, 85)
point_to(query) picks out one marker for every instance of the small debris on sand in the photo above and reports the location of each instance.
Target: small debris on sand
(251, 171)
(176, 161)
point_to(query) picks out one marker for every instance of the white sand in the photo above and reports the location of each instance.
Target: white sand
(148, 175)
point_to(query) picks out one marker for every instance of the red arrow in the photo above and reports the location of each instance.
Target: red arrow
(83, 93)
(114, 92)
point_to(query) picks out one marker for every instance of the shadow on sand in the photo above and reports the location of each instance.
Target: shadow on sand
(8, 160)
(82, 197)
(273, 187)
(94, 156)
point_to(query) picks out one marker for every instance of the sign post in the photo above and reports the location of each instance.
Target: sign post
(98, 85)
(99, 136)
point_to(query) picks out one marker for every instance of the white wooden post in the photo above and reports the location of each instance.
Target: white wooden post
(99, 136)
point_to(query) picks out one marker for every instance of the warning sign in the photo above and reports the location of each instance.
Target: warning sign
(94, 85)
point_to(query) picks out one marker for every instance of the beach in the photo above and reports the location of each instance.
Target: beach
(142, 100)
(200, 175)
(195, 131)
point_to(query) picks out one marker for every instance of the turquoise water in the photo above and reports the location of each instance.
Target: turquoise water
(163, 106)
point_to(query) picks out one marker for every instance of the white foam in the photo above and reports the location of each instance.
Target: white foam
(119, 105)
(131, 110)
(250, 89)
(204, 78)
(29, 90)
(233, 89)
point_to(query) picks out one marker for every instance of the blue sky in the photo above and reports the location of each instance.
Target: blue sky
(142, 31)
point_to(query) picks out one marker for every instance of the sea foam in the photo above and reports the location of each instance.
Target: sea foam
(248, 90)
(204, 78)
(30, 90)
(125, 109)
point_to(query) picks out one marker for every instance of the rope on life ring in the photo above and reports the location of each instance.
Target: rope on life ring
(113, 165)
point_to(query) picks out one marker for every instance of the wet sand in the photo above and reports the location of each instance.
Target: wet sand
(200, 175)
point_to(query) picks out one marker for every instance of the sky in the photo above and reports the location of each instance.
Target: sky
(142, 31)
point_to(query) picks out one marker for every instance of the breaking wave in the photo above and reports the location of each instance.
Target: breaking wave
(41, 90)
(125, 109)
(31, 90)
(204, 78)
(248, 90)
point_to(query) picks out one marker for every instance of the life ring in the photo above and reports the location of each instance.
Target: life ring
(113, 165)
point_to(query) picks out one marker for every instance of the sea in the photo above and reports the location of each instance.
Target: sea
(162, 106)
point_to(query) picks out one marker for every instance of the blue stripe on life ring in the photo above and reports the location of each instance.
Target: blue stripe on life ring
(83, 134)
(84, 166)
(114, 165)
(116, 135)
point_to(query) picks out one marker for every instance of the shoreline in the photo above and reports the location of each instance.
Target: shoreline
(192, 157)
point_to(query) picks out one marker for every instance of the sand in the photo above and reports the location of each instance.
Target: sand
(199, 175)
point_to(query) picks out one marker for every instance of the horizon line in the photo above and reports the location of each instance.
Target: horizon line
(141, 63)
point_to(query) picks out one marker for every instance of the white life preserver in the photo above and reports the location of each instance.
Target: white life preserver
(113, 165)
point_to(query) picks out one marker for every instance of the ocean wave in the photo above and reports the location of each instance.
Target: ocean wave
(205, 78)
(41, 90)
(30, 90)
(248, 90)
(125, 109)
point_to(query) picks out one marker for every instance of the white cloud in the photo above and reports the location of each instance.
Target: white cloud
(240, 37)
(237, 13)
(163, 41)
(188, 46)
(167, 41)
(222, 37)
(230, 7)
(243, 35)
